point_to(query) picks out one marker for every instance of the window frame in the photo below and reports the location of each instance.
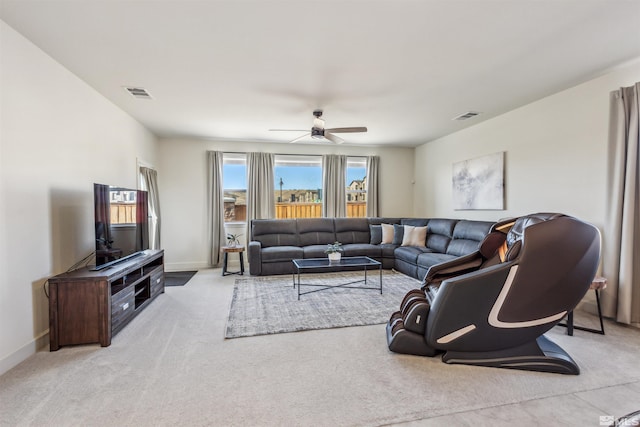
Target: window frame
(232, 158)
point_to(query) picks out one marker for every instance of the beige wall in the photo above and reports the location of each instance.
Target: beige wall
(182, 180)
(57, 137)
(556, 150)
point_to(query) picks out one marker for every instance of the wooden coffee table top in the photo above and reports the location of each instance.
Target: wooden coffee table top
(232, 249)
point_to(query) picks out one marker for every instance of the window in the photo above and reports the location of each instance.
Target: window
(298, 186)
(234, 185)
(356, 187)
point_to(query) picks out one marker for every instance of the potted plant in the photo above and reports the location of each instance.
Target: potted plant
(232, 239)
(334, 250)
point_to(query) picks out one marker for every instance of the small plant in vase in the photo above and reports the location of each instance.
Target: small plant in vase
(232, 239)
(334, 250)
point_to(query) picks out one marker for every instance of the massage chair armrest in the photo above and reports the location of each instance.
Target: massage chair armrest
(438, 273)
(459, 315)
(255, 258)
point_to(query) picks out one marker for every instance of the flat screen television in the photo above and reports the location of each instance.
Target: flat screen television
(121, 223)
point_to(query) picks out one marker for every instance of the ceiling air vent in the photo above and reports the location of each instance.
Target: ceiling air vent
(138, 92)
(467, 115)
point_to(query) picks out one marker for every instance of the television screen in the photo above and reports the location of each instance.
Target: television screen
(121, 223)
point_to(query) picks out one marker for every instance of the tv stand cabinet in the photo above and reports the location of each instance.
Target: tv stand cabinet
(88, 306)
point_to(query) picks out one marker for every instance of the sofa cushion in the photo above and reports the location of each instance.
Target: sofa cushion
(467, 236)
(352, 230)
(388, 250)
(387, 233)
(316, 231)
(271, 232)
(459, 247)
(315, 251)
(410, 253)
(472, 230)
(362, 249)
(398, 234)
(281, 253)
(428, 259)
(414, 236)
(440, 233)
(376, 234)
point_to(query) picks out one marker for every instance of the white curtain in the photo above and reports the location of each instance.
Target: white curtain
(621, 240)
(334, 177)
(372, 186)
(150, 180)
(260, 188)
(215, 207)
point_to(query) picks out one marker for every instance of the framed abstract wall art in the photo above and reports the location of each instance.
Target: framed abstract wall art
(478, 184)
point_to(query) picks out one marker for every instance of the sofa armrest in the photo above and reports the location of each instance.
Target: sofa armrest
(255, 258)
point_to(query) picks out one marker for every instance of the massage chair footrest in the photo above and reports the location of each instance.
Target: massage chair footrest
(541, 355)
(402, 341)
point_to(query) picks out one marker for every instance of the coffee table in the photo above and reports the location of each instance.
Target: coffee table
(323, 265)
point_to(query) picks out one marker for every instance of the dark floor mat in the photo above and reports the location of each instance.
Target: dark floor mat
(178, 278)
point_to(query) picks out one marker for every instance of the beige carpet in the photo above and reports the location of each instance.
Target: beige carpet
(270, 305)
(172, 367)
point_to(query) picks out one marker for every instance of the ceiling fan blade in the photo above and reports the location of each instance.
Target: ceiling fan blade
(288, 130)
(333, 138)
(347, 130)
(300, 137)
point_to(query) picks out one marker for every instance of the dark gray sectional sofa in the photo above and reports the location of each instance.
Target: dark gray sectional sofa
(275, 242)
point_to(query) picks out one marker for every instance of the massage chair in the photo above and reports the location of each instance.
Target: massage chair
(492, 307)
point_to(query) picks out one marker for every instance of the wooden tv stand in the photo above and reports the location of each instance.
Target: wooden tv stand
(88, 306)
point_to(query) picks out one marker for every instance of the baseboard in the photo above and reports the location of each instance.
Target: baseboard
(185, 266)
(14, 359)
(191, 266)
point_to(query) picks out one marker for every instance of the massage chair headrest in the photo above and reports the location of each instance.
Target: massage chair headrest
(515, 236)
(511, 231)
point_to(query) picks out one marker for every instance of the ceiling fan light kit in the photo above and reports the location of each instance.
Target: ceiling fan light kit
(318, 130)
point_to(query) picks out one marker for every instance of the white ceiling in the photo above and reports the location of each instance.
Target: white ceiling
(233, 69)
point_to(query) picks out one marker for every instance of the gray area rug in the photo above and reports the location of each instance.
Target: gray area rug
(269, 305)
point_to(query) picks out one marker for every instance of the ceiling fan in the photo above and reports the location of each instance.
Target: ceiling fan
(318, 130)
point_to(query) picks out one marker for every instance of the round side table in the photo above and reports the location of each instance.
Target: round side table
(232, 249)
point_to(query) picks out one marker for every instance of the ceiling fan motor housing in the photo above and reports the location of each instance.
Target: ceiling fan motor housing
(317, 133)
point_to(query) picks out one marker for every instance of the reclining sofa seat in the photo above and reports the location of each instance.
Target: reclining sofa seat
(279, 244)
(447, 239)
(492, 307)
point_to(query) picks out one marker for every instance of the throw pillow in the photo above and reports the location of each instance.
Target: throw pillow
(398, 232)
(376, 234)
(414, 236)
(387, 233)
